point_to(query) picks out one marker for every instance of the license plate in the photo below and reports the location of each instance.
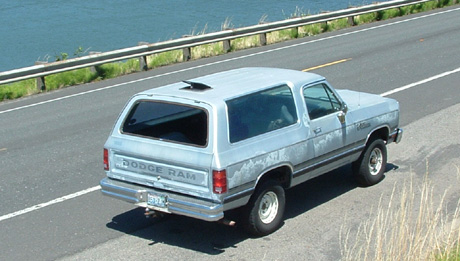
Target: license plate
(156, 200)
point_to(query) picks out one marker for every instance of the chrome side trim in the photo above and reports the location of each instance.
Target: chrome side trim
(328, 160)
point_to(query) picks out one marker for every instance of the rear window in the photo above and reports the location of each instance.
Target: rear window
(168, 121)
(261, 112)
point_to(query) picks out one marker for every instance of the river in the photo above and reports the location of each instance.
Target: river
(32, 30)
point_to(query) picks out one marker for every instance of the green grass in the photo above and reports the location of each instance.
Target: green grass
(244, 43)
(18, 89)
(310, 30)
(111, 70)
(165, 58)
(60, 80)
(282, 35)
(207, 50)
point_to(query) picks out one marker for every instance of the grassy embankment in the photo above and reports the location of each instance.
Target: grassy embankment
(407, 227)
(107, 71)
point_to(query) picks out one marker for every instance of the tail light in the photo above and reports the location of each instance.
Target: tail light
(106, 159)
(219, 180)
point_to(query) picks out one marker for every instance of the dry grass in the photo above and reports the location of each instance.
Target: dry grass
(407, 227)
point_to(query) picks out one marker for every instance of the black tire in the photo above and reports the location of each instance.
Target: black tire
(264, 211)
(369, 169)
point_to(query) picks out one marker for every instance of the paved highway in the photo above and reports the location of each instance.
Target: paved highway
(51, 151)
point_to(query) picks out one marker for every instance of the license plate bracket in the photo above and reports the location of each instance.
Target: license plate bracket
(157, 201)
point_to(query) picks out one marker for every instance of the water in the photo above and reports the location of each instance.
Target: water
(33, 30)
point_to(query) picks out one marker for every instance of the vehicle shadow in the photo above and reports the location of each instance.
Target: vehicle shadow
(214, 238)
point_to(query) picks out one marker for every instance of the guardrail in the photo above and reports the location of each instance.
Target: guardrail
(141, 52)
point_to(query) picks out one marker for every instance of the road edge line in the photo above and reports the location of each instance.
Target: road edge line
(49, 203)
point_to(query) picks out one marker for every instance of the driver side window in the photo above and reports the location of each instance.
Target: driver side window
(320, 101)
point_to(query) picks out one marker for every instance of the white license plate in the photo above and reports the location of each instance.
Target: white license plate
(156, 200)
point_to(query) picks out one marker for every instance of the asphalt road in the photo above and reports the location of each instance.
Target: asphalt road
(51, 151)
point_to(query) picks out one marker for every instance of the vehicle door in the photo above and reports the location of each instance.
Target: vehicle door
(327, 115)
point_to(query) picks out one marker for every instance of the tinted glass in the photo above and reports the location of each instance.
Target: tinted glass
(167, 121)
(320, 101)
(260, 112)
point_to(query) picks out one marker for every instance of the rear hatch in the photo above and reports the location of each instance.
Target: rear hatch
(163, 144)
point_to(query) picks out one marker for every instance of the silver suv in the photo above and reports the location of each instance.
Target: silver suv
(240, 138)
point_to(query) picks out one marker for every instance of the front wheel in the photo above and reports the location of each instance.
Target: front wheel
(370, 166)
(264, 212)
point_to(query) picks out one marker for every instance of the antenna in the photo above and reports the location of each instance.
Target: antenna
(359, 99)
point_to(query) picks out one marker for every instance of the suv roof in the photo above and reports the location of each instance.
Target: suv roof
(228, 84)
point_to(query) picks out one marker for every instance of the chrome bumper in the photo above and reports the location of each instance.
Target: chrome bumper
(176, 204)
(396, 135)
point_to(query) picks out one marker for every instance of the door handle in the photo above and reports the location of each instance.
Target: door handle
(317, 130)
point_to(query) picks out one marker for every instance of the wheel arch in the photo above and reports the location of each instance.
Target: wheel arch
(382, 132)
(282, 174)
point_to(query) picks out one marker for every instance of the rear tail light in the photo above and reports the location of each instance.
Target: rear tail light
(219, 180)
(106, 159)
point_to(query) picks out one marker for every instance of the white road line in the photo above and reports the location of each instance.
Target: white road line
(420, 82)
(228, 60)
(49, 203)
(89, 190)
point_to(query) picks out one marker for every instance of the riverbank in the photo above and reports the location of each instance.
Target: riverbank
(106, 71)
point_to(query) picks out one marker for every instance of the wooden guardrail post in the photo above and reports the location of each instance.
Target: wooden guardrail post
(226, 45)
(93, 68)
(186, 54)
(41, 79)
(263, 39)
(186, 51)
(143, 66)
(351, 21)
(41, 84)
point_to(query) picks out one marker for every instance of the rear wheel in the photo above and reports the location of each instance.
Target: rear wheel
(370, 166)
(264, 212)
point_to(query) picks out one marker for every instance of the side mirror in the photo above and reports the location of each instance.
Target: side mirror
(341, 115)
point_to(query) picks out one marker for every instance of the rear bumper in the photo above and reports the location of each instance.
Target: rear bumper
(176, 204)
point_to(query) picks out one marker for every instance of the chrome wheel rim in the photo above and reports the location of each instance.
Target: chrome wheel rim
(375, 161)
(268, 207)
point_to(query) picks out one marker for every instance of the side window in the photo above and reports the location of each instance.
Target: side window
(260, 112)
(320, 101)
